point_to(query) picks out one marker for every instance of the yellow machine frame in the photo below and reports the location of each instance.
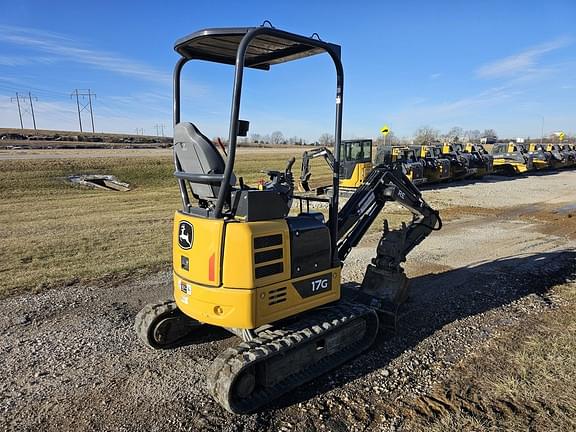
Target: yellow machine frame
(233, 295)
(517, 166)
(361, 167)
(539, 164)
(361, 171)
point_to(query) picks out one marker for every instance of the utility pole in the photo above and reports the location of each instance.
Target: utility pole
(158, 128)
(90, 104)
(32, 108)
(84, 105)
(17, 99)
(139, 131)
(78, 105)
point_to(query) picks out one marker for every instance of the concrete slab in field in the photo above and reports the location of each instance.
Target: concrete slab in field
(100, 181)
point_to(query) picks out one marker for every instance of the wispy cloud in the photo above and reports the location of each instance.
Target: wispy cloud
(435, 76)
(485, 98)
(522, 62)
(24, 60)
(62, 47)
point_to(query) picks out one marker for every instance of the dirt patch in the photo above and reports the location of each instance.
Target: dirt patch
(459, 211)
(473, 402)
(559, 220)
(521, 380)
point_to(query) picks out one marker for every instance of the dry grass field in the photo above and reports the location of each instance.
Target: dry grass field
(487, 342)
(54, 234)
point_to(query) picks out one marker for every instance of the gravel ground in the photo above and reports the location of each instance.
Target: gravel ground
(72, 362)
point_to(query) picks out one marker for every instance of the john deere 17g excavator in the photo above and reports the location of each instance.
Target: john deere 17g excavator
(244, 262)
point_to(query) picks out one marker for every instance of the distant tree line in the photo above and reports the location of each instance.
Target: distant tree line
(422, 135)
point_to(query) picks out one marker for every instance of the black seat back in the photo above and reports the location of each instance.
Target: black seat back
(196, 154)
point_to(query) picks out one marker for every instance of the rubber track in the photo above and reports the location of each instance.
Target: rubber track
(228, 366)
(146, 317)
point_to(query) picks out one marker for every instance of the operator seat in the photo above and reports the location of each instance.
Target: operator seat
(196, 154)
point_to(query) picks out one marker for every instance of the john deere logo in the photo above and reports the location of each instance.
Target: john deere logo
(185, 235)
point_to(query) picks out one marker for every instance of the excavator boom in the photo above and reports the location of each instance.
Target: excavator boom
(384, 280)
(307, 156)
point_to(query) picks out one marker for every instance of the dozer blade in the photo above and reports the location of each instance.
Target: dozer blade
(252, 374)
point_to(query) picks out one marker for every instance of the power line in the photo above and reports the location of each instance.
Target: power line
(84, 106)
(158, 127)
(139, 131)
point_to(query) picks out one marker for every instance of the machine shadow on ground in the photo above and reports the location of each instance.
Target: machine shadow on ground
(439, 299)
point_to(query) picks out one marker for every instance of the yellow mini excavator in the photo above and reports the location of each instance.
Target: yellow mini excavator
(481, 159)
(436, 167)
(509, 159)
(541, 159)
(405, 158)
(355, 164)
(244, 262)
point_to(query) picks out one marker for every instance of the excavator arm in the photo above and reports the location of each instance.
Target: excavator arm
(384, 278)
(305, 172)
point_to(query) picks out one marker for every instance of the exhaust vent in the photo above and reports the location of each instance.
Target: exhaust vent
(268, 255)
(276, 296)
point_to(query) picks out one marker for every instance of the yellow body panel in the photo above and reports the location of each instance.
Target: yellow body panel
(223, 286)
(446, 148)
(223, 307)
(205, 255)
(361, 171)
(239, 271)
(250, 308)
(267, 312)
(540, 164)
(518, 167)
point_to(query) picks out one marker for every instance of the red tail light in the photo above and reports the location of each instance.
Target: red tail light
(211, 264)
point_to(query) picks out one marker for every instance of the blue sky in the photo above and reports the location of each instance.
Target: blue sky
(485, 64)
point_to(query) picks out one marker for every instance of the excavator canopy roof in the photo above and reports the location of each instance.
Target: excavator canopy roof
(269, 47)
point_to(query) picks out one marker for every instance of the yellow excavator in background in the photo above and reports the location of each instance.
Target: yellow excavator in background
(509, 159)
(459, 161)
(541, 159)
(242, 262)
(481, 159)
(405, 158)
(561, 157)
(355, 164)
(436, 166)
